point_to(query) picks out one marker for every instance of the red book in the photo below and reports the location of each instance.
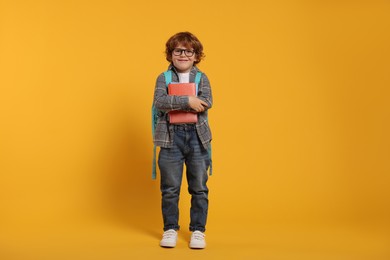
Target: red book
(178, 116)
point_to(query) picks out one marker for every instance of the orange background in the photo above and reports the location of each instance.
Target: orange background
(300, 125)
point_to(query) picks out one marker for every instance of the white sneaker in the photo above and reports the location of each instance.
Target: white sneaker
(169, 238)
(197, 240)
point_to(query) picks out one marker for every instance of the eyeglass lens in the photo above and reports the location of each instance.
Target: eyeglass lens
(178, 52)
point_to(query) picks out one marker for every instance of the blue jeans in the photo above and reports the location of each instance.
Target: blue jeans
(186, 149)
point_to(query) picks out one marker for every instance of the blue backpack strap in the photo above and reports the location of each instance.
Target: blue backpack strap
(197, 80)
(168, 79)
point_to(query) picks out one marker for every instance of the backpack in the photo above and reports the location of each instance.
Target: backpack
(155, 112)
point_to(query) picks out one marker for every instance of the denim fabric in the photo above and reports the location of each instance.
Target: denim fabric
(187, 150)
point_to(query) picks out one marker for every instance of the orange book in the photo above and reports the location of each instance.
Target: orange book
(178, 116)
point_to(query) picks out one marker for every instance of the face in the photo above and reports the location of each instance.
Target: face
(180, 58)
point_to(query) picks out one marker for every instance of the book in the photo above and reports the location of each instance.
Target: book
(178, 116)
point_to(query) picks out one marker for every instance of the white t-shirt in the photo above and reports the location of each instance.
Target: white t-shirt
(184, 77)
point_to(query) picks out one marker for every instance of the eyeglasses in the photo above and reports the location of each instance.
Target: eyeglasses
(178, 52)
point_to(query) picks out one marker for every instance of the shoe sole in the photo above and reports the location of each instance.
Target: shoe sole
(168, 245)
(197, 246)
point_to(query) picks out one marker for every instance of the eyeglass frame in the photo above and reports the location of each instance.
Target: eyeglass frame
(183, 50)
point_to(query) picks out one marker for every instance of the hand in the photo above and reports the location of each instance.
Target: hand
(197, 104)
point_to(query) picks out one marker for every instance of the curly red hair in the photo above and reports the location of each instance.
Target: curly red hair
(189, 41)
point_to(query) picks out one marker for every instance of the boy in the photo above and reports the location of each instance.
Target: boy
(183, 143)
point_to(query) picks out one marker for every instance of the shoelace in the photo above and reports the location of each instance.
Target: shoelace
(198, 236)
(169, 234)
